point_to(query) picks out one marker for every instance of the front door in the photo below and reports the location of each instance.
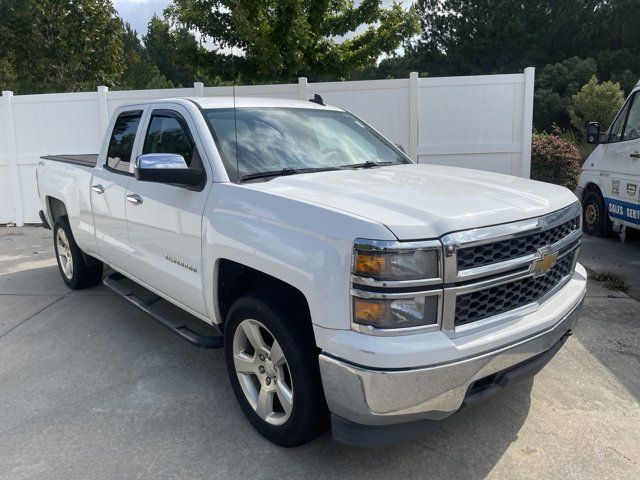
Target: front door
(108, 189)
(165, 221)
(621, 181)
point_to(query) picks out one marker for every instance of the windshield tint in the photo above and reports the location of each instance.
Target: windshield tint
(272, 139)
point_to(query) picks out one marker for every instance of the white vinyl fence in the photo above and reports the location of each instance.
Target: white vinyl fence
(482, 122)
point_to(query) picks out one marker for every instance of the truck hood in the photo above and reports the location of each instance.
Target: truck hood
(424, 201)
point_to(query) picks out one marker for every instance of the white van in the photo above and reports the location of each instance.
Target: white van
(610, 180)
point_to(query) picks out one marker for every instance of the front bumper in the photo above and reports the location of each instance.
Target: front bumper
(362, 398)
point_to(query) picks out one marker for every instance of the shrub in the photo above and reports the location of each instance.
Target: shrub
(596, 102)
(555, 160)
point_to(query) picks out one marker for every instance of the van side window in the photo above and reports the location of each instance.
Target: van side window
(617, 128)
(632, 127)
(169, 134)
(121, 142)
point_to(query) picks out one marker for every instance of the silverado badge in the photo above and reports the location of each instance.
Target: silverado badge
(543, 264)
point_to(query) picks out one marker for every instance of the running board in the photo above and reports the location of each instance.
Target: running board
(113, 282)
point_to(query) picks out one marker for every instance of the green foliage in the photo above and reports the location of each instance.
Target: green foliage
(139, 71)
(595, 102)
(555, 84)
(555, 160)
(175, 52)
(54, 46)
(280, 40)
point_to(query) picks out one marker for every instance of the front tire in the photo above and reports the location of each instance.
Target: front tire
(272, 362)
(594, 215)
(76, 273)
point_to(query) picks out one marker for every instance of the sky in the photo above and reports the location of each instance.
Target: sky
(139, 12)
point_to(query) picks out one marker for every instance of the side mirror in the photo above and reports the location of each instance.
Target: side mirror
(593, 133)
(166, 168)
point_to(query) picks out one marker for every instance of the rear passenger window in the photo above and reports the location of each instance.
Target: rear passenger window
(121, 142)
(168, 134)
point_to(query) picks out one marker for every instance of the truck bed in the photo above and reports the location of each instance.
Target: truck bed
(85, 160)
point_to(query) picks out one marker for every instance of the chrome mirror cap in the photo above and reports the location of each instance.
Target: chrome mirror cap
(161, 161)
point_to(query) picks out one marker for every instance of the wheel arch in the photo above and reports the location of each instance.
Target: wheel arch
(55, 209)
(234, 279)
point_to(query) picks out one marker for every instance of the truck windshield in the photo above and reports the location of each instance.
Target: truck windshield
(282, 141)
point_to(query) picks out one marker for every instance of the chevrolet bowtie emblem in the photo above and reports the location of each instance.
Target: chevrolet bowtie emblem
(543, 264)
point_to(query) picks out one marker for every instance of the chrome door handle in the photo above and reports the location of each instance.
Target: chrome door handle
(134, 198)
(99, 189)
(635, 155)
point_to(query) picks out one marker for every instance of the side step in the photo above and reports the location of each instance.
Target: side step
(114, 282)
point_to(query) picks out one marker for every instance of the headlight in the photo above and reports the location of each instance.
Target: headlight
(405, 264)
(395, 285)
(412, 311)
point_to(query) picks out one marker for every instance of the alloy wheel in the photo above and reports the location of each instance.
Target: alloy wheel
(263, 372)
(65, 258)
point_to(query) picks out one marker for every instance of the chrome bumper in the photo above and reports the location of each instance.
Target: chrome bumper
(384, 397)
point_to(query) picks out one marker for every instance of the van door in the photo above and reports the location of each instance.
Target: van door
(622, 165)
(164, 220)
(108, 190)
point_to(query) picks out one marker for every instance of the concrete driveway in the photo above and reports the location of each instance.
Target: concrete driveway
(92, 388)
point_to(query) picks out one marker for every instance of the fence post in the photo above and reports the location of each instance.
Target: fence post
(14, 175)
(198, 89)
(413, 116)
(303, 94)
(103, 111)
(527, 120)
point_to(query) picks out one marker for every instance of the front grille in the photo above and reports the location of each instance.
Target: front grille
(514, 247)
(474, 306)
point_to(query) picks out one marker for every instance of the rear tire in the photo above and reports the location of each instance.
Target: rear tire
(595, 219)
(277, 382)
(75, 271)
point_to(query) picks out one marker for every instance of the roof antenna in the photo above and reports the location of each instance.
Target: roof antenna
(317, 99)
(235, 117)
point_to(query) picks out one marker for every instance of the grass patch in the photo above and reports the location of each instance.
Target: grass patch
(610, 280)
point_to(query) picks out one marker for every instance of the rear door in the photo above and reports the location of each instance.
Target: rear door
(108, 189)
(621, 178)
(165, 220)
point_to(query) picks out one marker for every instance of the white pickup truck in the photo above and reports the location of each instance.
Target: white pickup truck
(349, 286)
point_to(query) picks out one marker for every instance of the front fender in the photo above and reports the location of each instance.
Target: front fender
(303, 244)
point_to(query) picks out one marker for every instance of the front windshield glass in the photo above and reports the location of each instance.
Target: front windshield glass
(273, 139)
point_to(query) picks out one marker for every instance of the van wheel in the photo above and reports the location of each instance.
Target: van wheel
(73, 268)
(272, 362)
(595, 220)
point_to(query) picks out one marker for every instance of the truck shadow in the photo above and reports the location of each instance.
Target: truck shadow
(467, 445)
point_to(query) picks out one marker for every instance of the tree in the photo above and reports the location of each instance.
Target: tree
(54, 45)
(139, 71)
(280, 40)
(175, 52)
(555, 85)
(596, 102)
(500, 36)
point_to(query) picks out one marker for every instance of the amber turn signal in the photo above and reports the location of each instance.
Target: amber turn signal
(370, 312)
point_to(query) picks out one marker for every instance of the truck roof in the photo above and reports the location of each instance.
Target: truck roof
(240, 102)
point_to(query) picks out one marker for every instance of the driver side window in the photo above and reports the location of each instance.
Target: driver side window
(168, 133)
(617, 127)
(632, 126)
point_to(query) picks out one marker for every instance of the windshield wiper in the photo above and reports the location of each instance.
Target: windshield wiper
(285, 171)
(368, 164)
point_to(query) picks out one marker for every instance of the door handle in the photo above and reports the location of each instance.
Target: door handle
(99, 189)
(635, 155)
(134, 198)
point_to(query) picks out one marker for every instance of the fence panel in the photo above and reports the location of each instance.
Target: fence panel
(480, 122)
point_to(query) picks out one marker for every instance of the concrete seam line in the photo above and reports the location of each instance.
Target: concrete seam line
(30, 317)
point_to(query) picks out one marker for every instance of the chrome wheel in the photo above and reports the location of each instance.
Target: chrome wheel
(263, 372)
(65, 258)
(591, 214)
